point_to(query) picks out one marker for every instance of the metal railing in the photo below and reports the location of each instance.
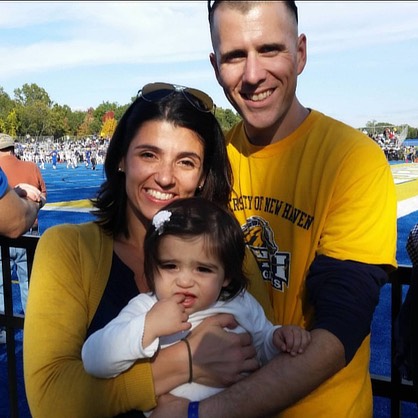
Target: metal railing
(391, 387)
(394, 387)
(9, 319)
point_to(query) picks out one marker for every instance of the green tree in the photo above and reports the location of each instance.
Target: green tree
(12, 123)
(33, 107)
(59, 121)
(6, 104)
(30, 94)
(412, 132)
(120, 110)
(75, 120)
(226, 118)
(85, 129)
(34, 119)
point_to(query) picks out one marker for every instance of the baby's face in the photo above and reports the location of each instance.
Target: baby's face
(187, 267)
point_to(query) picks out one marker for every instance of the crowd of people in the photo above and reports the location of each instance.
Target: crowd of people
(85, 152)
(407, 154)
(320, 240)
(392, 144)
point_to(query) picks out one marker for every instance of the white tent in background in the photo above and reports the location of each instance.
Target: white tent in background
(402, 136)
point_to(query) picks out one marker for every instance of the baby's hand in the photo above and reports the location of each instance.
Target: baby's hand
(291, 339)
(166, 317)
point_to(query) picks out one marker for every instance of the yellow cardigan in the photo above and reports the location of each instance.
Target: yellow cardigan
(70, 272)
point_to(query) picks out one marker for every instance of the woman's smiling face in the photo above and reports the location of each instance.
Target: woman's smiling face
(164, 162)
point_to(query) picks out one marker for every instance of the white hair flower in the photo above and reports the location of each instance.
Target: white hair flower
(160, 219)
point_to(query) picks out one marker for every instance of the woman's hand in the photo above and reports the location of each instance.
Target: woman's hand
(221, 358)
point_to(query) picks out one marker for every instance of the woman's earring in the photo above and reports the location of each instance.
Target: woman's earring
(120, 169)
(200, 188)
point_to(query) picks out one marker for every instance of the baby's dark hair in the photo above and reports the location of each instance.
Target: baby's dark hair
(194, 216)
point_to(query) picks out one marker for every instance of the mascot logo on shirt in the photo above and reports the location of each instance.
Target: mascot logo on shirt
(274, 265)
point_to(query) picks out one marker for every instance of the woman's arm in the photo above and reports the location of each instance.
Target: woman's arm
(67, 277)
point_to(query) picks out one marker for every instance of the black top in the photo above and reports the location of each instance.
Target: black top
(120, 289)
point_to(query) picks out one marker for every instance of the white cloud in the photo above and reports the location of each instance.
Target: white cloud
(72, 49)
(95, 33)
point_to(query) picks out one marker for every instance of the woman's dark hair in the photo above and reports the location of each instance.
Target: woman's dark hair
(194, 216)
(176, 108)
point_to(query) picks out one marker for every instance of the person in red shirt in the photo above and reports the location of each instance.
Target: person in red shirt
(18, 171)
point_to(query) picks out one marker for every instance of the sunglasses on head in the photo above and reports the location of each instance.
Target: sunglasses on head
(154, 92)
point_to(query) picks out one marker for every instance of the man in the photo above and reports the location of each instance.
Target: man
(19, 208)
(317, 202)
(18, 171)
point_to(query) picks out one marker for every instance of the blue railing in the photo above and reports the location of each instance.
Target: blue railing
(391, 387)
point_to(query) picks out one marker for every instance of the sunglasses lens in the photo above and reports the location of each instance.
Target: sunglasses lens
(199, 99)
(156, 95)
(154, 92)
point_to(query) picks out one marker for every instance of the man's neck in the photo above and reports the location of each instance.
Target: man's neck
(282, 129)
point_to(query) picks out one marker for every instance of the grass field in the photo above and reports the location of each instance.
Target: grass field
(68, 194)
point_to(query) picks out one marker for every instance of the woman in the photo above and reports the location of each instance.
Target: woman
(168, 145)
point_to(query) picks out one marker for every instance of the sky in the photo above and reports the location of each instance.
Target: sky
(362, 56)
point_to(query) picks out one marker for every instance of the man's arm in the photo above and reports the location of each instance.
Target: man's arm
(279, 384)
(17, 214)
(344, 295)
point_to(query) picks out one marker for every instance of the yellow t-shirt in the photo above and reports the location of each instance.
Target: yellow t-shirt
(326, 189)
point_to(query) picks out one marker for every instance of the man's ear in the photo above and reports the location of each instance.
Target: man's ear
(212, 58)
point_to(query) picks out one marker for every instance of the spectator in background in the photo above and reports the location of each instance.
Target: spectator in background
(18, 171)
(19, 208)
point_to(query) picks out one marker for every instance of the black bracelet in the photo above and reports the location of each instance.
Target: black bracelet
(193, 410)
(189, 352)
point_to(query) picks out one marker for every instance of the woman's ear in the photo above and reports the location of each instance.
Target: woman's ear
(201, 184)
